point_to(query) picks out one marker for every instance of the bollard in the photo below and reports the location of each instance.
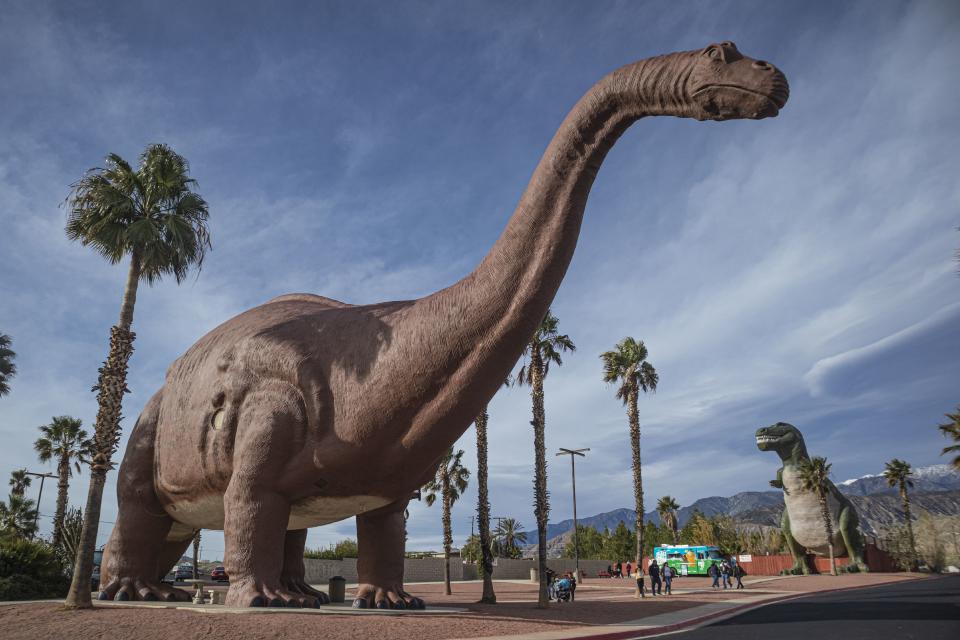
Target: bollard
(534, 575)
(337, 589)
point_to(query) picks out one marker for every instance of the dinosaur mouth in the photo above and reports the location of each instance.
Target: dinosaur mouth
(777, 96)
(767, 439)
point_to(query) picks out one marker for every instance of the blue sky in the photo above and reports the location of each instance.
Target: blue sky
(798, 268)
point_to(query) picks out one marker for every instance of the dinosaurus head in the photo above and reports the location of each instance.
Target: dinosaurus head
(780, 437)
(725, 85)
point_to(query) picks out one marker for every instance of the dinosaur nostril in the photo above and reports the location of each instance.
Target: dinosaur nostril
(762, 64)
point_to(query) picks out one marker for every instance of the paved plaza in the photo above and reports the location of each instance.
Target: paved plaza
(605, 608)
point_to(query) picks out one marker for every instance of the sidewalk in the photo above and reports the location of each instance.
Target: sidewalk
(603, 609)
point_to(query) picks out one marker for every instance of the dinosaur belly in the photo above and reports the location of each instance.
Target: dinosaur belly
(208, 512)
(806, 518)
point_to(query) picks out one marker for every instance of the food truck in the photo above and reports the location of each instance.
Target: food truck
(686, 559)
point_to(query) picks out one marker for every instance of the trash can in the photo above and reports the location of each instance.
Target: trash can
(337, 589)
(534, 575)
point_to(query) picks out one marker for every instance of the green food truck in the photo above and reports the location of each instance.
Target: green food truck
(686, 559)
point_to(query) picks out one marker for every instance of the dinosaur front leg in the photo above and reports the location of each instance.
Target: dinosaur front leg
(256, 511)
(380, 538)
(799, 557)
(293, 575)
(848, 524)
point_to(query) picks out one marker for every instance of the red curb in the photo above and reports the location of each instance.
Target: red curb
(628, 635)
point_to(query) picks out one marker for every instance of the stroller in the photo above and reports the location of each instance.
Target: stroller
(563, 590)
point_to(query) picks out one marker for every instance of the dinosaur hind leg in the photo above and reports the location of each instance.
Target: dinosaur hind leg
(132, 555)
(799, 557)
(852, 539)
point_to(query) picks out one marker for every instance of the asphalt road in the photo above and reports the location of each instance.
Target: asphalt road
(922, 609)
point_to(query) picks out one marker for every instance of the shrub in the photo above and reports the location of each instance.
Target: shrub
(343, 549)
(29, 570)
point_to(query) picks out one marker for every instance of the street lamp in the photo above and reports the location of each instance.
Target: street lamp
(573, 453)
(42, 476)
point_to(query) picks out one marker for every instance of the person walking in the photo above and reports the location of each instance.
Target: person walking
(619, 569)
(714, 572)
(654, 571)
(738, 573)
(725, 573)
(639, 575)
(667, 572)
(629, 567)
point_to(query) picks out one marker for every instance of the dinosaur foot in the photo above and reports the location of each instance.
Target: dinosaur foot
(254, 593)
(371, 596)
(130, 589)
(296, 585)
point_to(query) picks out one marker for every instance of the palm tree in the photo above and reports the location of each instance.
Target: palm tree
(450, 482)
(196, 554)
(153, 215)
(510, 535)
(543, 349)
(64, 440)
(7, 368)
(951, 429)
(70, 535)
(815, 476)
(667, 509)
(627, 364)
(18, 517)
(483, 506)
(897, 475)
(19, 481)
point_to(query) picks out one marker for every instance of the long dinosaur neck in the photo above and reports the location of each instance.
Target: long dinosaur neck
(474, 331)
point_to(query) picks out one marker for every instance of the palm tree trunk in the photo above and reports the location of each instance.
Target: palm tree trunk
(79, 595)
(196, 555)
(447, 534)
(542, 507)
(111, 385)
(63, 485)
(825, 512)
(905, 498)
(634, 419)
(483, 510)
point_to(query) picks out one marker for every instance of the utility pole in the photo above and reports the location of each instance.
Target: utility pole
(573, 453)
(42, 476)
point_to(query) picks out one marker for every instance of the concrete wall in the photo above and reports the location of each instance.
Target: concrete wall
(431, 569)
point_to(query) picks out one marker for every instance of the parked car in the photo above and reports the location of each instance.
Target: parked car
(219, 574)
(184, 572)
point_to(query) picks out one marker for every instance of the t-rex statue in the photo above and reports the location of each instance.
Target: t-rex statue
(305, 411)
(802, 519)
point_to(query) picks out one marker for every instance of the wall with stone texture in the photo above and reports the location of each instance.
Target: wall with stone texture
(431, 569)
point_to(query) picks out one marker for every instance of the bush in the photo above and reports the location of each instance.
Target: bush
(30, 570)
(343, 549)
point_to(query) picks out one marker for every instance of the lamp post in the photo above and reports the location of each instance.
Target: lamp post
(42, 476)
(573, 453)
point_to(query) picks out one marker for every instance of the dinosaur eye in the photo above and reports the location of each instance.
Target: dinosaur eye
(712, 52)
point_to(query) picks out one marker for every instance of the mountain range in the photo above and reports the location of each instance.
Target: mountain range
(935, 489)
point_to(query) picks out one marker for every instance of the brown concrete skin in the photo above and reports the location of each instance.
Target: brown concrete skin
(305, 410)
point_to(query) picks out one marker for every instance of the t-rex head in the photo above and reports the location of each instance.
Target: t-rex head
(724, 85)
(781, 437)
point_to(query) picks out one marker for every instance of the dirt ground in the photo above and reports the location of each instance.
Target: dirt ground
(598, 602)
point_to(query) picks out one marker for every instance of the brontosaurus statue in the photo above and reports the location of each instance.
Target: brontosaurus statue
(305, 411)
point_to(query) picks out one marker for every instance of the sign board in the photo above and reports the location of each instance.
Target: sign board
(745, 558)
